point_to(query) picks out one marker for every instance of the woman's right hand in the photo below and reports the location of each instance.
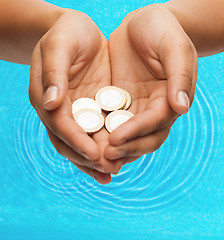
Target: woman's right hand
(156, 62)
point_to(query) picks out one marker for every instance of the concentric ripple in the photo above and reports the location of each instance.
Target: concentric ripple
(150, 184)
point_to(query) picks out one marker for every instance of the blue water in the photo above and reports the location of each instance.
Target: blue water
(174, 193)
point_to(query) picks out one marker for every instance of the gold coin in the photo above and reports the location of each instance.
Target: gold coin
(85, 103)
(116, 118)
(128, 100)
(89, 120)
(110, 98)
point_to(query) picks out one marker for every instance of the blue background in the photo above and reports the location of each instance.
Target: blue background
(174, 193)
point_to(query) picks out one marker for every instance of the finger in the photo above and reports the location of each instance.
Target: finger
(137, 147)
(81, 163)
(107, 166)
(179, 58)
(122, 161)
(70, 154)
(159, 115)
(59, 121)
(131, 159)
(63, 125)
(58, 54)
(102, 178)
(77, 159)
(35, 84)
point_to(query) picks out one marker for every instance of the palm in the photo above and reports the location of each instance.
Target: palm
(87, 75)
(142, 76)
(153, 59)
(86, 78)
(136, 67)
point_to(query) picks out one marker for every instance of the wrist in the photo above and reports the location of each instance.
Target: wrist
(202, 20)
(44, 19)
(22, 24)
(183, 18)
(51, 16)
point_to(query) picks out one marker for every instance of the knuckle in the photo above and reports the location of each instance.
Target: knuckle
(109, 168)
(187, 79)
(135, 123)
(49, 72)
(157, 144)
(134, 150)
(184, 43)
(53, 40)
(73, 137)
(165, 115)
(186, 75)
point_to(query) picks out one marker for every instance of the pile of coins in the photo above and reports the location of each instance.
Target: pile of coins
(88, 112)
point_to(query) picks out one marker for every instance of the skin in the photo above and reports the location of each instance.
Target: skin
(203, 21)
(153, 68)
(22, 24)
(157, 63)
(84, 67)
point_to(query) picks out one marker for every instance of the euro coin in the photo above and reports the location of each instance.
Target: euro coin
(89, 120)
(116, 118)
(110, 98)
(85, 103)
(128, 100)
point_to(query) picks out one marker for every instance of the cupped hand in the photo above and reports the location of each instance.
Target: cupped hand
(156, 62)
(71, 61)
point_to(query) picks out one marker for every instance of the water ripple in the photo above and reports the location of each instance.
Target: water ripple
(151, 183)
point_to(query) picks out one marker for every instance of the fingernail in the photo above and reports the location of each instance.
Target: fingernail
(100, 169)
(183, 99)
(51, 94)
(85, 156)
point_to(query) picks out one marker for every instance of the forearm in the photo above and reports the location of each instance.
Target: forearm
(203, 21)
(22, 24)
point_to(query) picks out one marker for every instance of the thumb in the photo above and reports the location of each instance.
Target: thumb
(179, 59)
(56, 62)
